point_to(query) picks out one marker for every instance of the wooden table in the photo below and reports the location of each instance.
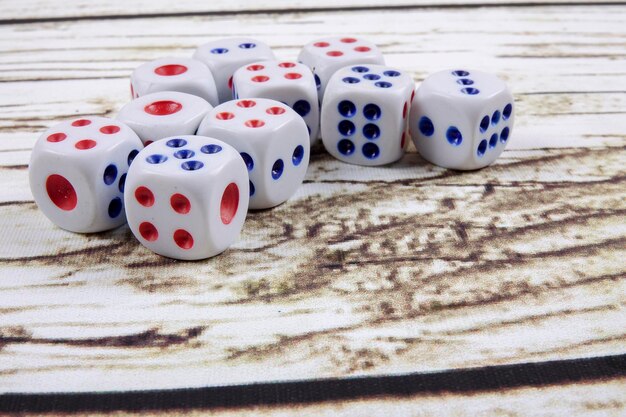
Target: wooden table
(494, 292)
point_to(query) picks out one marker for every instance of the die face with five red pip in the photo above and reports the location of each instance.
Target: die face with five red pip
(187, 196)
(77, 173)
(288, 82)
(273, 141)
(326, 56)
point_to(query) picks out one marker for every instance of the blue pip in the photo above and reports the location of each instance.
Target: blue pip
(364, 114)
(462, 119)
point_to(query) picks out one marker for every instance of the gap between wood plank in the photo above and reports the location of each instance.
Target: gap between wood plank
(282, 11)
(332, 389)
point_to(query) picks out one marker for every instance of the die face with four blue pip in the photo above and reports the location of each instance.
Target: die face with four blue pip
(364, 114)
(185, 75)
(225, 56)
(273, 141)
(187, 196)
(78, 171)
(327, 55)
(288, 82)
(461, 119)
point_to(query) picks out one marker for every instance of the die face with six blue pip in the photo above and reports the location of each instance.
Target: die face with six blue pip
(461, 119)
(225, 56)
(288, 82)
(273, 141)
(364, 114)
(186, 196)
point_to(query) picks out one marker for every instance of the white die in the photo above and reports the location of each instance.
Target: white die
(288, 82)
(461, 119)
(365, 113)
(327, 55)
(187, 197)
(185, 75)
(225, 56)
(167, 113)
(273, 141)
(78, 170)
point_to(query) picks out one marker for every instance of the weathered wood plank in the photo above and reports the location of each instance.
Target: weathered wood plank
(425, 39)
(366, 270)
(77, 9)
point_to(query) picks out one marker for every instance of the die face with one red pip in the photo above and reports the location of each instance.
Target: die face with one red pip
(327, 55)
(166, 113)
(187, 197)
(288, 82)
(185, 75)
(225, 56)
(273, 141)
(77, 173)
(365, 113)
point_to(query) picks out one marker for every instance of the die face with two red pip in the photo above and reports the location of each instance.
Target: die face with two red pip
(462, 119)
(288, 82)
(187, 196)
(365, 113)
(272, 139)
(225, 56)
(327, 55)
(78, 170)
(184, 75)
(166, 113)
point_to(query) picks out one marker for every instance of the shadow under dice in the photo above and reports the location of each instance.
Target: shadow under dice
(225, 56)
(167, 113)
(364, 114)
(327, 55)
(77, 173)
(184, 75)
(187, 197)
(462, 119)
(288, 82)
(273, 141)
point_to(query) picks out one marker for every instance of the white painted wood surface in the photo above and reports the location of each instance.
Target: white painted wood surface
(366, 271)
(85, 9)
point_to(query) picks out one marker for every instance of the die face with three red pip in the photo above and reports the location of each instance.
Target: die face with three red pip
(166, 113)
(225, 56)
(185, 75)
(288, 82)
(273, 141)
(77, 173)
(187, 196)
(327, 55)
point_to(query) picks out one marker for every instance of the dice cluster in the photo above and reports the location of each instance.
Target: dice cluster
(206, 138)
